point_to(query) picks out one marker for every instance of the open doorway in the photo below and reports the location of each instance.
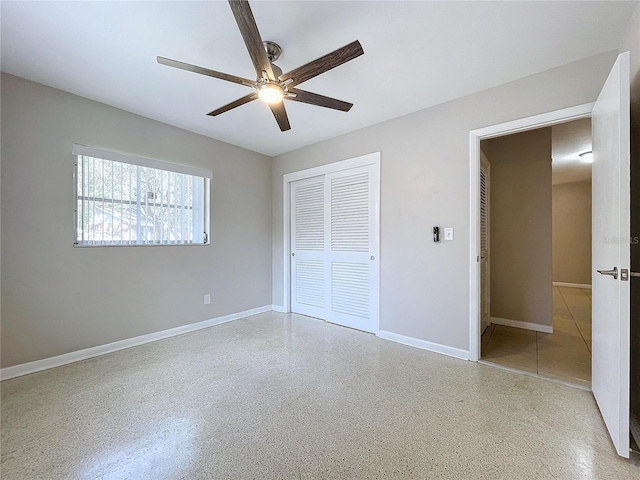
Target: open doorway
(535, 216)
(611, 253)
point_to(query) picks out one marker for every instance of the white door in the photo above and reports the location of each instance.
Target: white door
(308, 261)
(611, 250)
(334, 247)
(485, 291)
(352, 248)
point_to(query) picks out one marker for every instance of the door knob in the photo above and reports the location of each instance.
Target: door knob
(613, 273)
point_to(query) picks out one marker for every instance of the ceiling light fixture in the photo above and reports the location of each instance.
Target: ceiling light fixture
(586, 156)
(270, 93)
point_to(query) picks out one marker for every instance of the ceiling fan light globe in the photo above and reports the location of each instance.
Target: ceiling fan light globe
(270, 93)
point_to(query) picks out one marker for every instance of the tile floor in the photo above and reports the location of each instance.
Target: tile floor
(563, 355)
(278, 396)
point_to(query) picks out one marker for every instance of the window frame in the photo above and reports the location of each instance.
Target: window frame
(79, 150)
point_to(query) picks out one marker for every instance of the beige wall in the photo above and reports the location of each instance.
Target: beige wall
(57, 298)
(520, 226)
(572, 233)
(424, 287)
(425, 176)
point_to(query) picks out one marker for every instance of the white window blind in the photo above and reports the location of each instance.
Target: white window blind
(127, 200)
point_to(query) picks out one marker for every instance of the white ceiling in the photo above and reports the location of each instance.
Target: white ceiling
(568, 141)
(417, 54)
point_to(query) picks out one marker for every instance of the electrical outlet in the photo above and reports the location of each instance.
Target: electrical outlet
(448, 233)
(207, 299)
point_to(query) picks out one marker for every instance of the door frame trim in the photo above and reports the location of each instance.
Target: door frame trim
(475, 136)
(361, 161)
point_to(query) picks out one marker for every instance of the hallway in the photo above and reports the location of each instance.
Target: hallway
(563, 355)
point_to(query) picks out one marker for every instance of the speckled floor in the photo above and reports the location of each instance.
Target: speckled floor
(279, 396)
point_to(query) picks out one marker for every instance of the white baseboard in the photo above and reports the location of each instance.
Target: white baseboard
(278, 308)
(538, 327)
(46, 363)
(424, 344)
(572, 285)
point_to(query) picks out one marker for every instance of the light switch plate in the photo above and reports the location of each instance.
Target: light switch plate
(448, 233)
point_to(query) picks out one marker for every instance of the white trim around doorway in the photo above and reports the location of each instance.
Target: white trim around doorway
(361, 161)
(515, 126)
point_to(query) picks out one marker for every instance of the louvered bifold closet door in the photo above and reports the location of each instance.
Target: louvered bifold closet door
(484, 247)
(308, 246)
(351, 202)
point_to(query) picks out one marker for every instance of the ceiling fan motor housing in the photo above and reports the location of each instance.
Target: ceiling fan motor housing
(277, 71)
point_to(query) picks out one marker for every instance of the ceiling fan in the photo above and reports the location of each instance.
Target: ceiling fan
(271, 85)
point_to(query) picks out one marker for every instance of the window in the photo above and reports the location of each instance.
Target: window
(127, 200)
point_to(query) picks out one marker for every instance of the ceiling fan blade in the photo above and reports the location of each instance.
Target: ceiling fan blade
(234, 104)
(319, 100)
(249, 30)
(281, 116)
(205, 71)
(323, 64)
